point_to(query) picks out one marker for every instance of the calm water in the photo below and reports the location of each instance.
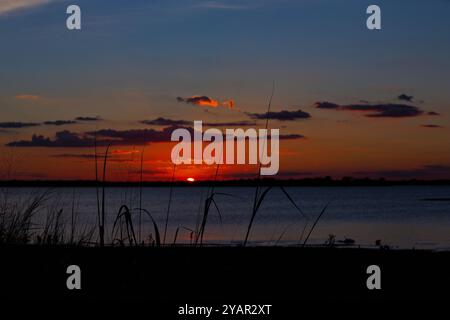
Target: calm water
(395, 215)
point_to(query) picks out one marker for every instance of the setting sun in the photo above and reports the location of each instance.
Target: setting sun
(190, 179)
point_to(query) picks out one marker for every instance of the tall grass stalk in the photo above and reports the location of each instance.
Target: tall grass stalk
(140, 193)
(257, 190)
(124, 211)
(168, 205)
(209, 200)
(72, 218)
(102, 222)
(96, 182)
(155, 228)
(315, 223)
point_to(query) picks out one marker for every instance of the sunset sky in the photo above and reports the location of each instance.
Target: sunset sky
(349, 101)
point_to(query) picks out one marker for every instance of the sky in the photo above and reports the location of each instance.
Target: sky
(348, 101)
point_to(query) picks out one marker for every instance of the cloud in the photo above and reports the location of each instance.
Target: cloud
(405, 97)
(205, 101)
(79, 156)
(427, 171)
(28, 97)
(200, 101)
(88, 118)
(136, 136)
(121, 152)
(170, 122)
(90, 156)
(166, 122)
(230, 5)
(230, 124)
(62, 139)
(291, 136)
(7, 6)
(431, 126)
(228, 104)
(220, 5)
(15, 125)
(105, 137)
(388, 110)
(269, 137)
(281, 115)
(59, 122)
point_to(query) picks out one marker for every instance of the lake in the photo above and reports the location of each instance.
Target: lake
(398, 215)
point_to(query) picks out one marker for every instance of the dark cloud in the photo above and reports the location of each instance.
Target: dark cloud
(269, 137)
(205, 101)
(59, 122)
(170, 122)
(166, 122)
(199, 101)
(432, 113)
(105, 137)
(230, 124)
(135, 136)
(144, 172)
(62, 139)
(326, 105)
(88, 119)
(79, 156)
(431, 126)
(15, 125)
(88, 157)
(405, 97)
(281, 115)
(291, 136)
(424, 172)
(389, 110)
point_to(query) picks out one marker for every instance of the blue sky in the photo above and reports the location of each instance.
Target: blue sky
(133, 58)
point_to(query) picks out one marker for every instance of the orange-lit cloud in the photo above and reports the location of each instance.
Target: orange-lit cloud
(228, 104)
(124, 152)
(205, 101)
(28, 97)
(7, 6)
(202, 101)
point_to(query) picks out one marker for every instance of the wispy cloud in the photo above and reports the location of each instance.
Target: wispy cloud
(432, 126)
(242, 123)
(405, 97)
(166, 122)
(16, 125)
(227, 4)
(105, 137)
(433, 171)
(59, 122)
(27, 97)
(88, 119)
(383, 110)
(281, 115)
(7, 6)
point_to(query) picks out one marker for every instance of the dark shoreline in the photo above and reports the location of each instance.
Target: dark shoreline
(307, 182)
(222, 274)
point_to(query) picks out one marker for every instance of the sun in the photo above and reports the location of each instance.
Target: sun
(190, 179)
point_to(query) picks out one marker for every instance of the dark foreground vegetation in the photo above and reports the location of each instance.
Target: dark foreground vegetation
(222, 274)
